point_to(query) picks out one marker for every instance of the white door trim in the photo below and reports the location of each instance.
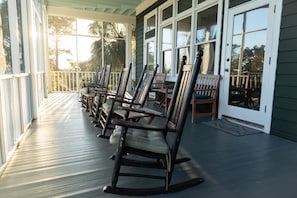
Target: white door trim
(271, 60)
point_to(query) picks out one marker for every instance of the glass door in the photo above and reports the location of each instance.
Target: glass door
(248, 44)
(246, 62)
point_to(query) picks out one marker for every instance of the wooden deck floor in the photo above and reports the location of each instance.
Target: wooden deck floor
(61, 157)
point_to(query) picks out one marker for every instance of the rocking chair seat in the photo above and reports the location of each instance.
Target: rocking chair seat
(108, 105)
(98, 99)
(202, 96)
(138, 113)
(151, 141)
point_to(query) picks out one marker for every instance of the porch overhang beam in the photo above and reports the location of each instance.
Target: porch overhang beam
(92, 15)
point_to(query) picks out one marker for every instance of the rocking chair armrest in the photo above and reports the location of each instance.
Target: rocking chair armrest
(100, 89)
(116, 98)
(130, 102)
(144, 110)
(137, 125)
(101, 92)
(120, 99)
(110, 93)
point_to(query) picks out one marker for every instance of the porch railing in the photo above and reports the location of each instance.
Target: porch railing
(71, 81)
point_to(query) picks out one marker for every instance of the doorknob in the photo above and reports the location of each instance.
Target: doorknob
(226, 70)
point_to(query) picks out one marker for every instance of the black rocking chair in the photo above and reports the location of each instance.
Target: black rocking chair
(140, 96)
(151, 142)
(101, 95)
(88, 93)
(107, 111)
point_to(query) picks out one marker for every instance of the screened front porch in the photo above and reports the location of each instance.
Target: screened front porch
(60, 156)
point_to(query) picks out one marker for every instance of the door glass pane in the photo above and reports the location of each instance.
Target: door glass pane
(259, 15)
(247, 58)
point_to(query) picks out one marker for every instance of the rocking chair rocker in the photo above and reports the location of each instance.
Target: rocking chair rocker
(148, 141)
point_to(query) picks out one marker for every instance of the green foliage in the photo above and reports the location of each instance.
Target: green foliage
(252, 59)
(58, 26)
(110, 38)
(112, 42)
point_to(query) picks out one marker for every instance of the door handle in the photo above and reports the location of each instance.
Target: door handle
(226, 70)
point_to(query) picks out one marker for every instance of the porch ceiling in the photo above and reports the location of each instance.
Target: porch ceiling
(117, 7)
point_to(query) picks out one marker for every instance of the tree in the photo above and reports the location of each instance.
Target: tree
(112, 40)
(5, 43)
(57, 27)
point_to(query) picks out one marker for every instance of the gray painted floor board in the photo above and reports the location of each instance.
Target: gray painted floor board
(61, 157)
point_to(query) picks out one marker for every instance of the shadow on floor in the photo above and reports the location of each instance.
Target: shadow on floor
(61, 157)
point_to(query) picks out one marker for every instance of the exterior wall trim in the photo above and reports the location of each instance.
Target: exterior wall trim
(144, 5)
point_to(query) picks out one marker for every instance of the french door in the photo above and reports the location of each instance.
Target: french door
(248, 47)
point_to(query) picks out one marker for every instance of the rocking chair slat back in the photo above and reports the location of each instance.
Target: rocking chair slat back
(181, 99)
(123, 81)
(144, 83)
(104, 79)
(106, 110)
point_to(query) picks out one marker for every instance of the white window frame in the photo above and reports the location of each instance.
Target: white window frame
(161, 46)
(163, 24)
(163, 7)
(196, 8)
(153, 39)
(176, 47)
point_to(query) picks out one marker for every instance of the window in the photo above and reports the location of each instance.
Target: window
(200, 1)
(150, 27)
(151, 23)
(183, 5)
(5, 45)
(150, 49)
(181, 52)
(167, 13)
(179, 37)
(167, 48)
(20, 33)
(183, 40)
(85, 44)
(206, 33)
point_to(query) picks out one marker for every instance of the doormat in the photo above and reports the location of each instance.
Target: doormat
(231, 127)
